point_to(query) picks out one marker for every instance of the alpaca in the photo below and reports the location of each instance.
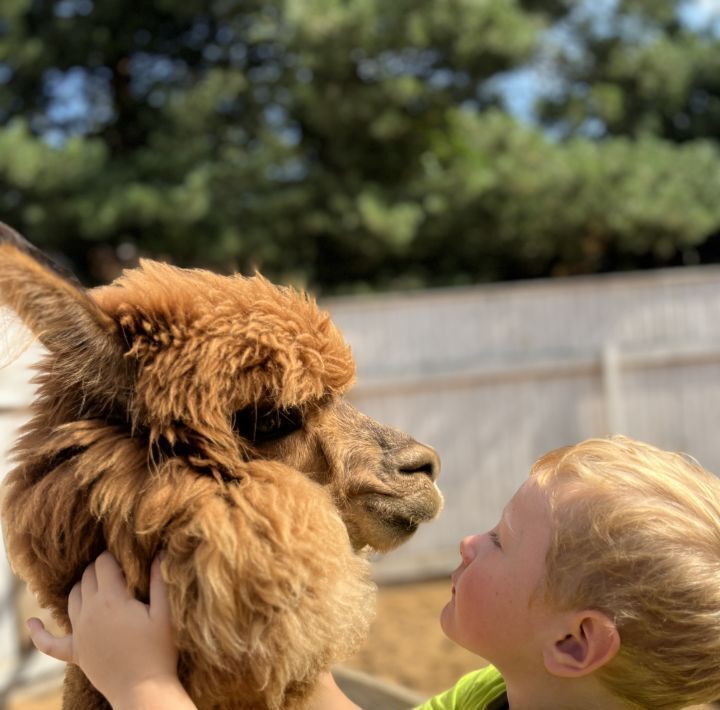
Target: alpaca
(203, 415)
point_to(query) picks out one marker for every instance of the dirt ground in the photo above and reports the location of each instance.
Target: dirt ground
(405, 646)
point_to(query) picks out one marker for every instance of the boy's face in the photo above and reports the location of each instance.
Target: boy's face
(490, 612)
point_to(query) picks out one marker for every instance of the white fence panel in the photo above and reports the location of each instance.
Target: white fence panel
(495, 376)
(19, 664)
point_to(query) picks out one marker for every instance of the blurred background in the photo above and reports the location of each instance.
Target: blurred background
(434, 171)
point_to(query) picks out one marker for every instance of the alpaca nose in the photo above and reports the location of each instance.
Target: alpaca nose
(418, 459)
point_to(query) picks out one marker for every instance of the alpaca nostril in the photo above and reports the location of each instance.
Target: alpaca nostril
(420, 459)
(427, 469)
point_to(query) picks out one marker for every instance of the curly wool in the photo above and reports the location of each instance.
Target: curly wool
(264, 587)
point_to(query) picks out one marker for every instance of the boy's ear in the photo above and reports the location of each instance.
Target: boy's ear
(57, 309)
(586, 641)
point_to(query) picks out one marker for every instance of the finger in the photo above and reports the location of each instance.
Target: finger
(89, 584)
(110, 576)
(74, 603)
(159, 601)
(60, 648)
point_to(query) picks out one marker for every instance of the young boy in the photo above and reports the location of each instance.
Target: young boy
(598, 588)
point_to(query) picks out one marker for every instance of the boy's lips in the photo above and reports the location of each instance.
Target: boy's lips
(454, 578)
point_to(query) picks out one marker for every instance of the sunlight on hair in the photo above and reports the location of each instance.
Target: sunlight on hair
(15, 338)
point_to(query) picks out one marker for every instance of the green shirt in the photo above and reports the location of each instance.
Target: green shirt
(478, 690)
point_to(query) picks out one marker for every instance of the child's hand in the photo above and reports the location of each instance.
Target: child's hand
(123, 646)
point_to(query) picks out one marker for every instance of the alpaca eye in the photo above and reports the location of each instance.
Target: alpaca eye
(258, 425)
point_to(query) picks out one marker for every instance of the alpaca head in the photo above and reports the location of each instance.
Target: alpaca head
(218, 371)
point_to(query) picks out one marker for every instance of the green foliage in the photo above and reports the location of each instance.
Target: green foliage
(353, 144)
(530, 207)
(644, 73)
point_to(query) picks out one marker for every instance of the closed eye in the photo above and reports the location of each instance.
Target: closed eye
(260, 424)
(495, 539)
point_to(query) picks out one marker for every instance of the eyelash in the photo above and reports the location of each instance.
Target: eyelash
(495, 538)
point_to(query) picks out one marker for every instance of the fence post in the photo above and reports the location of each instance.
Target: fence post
(611, 381)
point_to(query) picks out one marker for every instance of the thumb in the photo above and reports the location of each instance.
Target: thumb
(159, 602)
(60, 648)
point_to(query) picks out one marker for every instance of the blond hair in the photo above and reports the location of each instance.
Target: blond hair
(636, 535)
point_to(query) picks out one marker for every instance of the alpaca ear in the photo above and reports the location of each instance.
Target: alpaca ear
(57, 309)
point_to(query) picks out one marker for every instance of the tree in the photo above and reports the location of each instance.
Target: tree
(246, 132)
(636, 68)
(347, 144)
(649, 71)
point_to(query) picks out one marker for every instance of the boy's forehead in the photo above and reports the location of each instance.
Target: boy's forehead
(527, 508)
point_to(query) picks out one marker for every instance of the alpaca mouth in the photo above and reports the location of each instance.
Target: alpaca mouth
(405, 526)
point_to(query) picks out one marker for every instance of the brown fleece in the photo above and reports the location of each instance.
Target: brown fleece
(133, 448)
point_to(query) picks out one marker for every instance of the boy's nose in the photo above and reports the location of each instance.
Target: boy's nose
(467, 549)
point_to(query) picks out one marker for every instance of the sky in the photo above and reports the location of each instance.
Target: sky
(701, 13)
